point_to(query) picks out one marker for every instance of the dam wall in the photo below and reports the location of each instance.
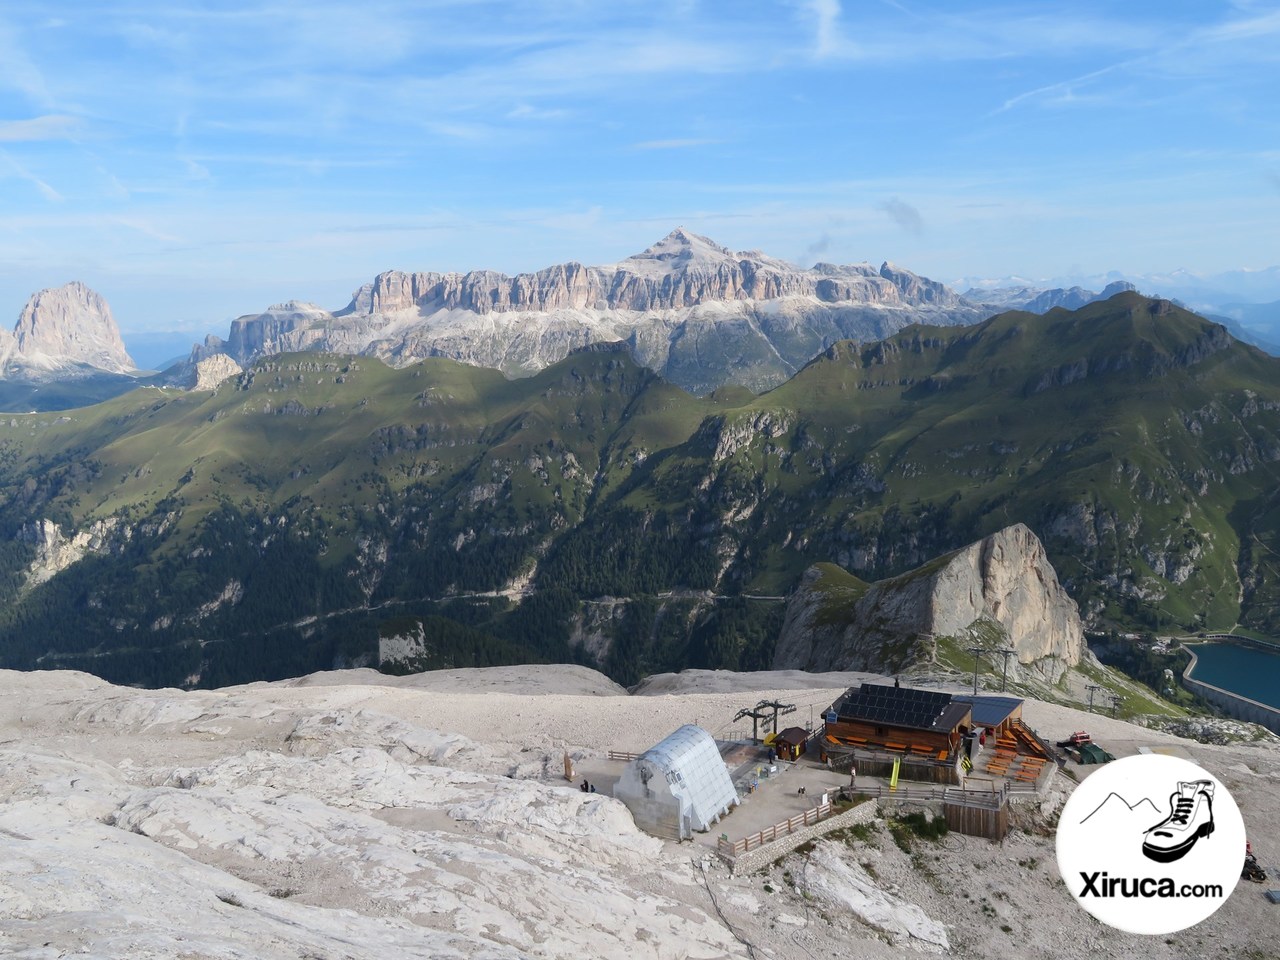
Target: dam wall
(1234, 705)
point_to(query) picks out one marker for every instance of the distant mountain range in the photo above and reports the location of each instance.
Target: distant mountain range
(1036, 300)
(695, 312)
(1251, 286)
(1246, 301)
(315, 506)
(701, 315)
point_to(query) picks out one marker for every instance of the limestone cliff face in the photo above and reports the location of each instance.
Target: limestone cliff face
(211, 371)
(694, 311)
(55, 551)
(681, 270)
(280, 328)
(1004, 580)
(62, 330)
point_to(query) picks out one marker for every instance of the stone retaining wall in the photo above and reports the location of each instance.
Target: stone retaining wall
(864, 812)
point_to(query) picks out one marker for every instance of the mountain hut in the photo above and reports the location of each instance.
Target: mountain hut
(876, 724)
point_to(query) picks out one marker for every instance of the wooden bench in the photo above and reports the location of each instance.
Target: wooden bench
(895, 746)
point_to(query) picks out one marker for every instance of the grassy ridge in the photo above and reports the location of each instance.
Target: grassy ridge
(314, 497)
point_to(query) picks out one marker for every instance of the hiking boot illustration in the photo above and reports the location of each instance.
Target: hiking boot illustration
(1190, 818)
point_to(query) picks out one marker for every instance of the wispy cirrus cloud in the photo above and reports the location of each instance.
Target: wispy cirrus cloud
(526, 111)
(53, 126)
(20, 72)
(147, 229)
(22, 173)
(677, 143)
(513, 135)
(1207, 52)
(828, 40)
(1060, 92)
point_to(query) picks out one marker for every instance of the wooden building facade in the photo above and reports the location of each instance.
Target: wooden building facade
(791, 743)
(924, 730)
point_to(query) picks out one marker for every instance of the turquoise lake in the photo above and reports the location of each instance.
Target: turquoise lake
(1244, 670)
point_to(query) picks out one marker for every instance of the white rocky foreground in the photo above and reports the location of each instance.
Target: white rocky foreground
(354, 815)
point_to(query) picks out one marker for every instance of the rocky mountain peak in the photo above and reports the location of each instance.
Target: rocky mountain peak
(683, 246)
(693, 310)
(68, 327)
(303, 307)
(1116, 286)
(1004, 580)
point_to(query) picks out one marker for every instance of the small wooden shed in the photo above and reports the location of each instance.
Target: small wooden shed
(791, 743)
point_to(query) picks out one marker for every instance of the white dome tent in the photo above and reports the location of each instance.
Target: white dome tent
(678, 786)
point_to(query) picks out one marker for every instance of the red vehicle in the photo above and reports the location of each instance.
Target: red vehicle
(1077, 739)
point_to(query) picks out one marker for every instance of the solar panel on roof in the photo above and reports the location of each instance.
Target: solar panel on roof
(897, 706)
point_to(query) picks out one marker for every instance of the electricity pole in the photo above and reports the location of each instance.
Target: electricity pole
(977, 653)
(1092, 688)
(1004, 670)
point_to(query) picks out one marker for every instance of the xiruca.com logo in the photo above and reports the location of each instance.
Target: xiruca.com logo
(1150, 844)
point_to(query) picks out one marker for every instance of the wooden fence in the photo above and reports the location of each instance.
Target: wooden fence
(732, 848)
(982, 799)
(623, 755)
(1016, 786)
(971, 798)
(913, 792)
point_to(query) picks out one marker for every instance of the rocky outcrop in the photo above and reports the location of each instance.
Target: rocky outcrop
(1004, 580)
(694, 311)
(56, 551)
(212, 370)
(65, 331)
(280, 328)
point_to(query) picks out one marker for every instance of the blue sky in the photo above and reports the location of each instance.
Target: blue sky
(195, 161)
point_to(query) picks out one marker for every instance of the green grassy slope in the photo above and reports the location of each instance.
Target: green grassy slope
(278, 523)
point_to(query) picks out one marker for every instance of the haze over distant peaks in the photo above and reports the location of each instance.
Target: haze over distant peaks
(1036, 300)
(64, 332)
